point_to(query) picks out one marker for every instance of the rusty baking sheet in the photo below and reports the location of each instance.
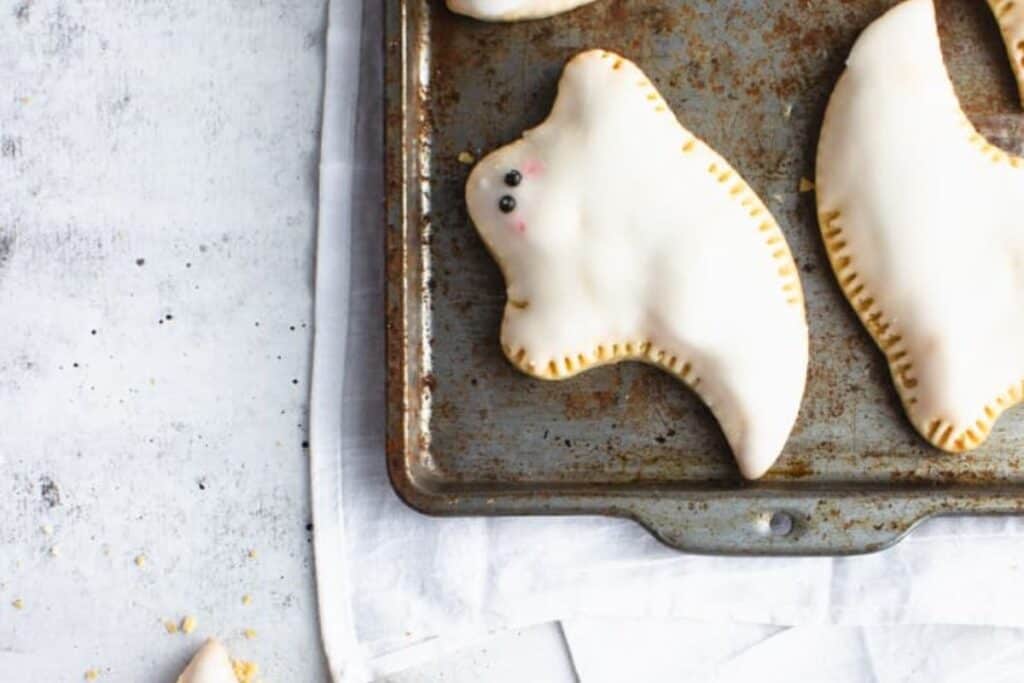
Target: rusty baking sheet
(469, 435)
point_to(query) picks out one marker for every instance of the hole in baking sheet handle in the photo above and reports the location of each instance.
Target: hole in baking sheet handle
(780, 524)
(777, 524)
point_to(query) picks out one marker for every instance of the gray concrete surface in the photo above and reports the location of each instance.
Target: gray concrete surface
(157, 211)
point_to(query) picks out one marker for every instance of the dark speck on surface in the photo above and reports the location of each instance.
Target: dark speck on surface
(6, 247)
(169, 316)
(140, 261)
(92, 332)
(49, 491)
(309, 527)
(305, 444)
(568, 443)
(659, 439)
(202, 484)
(23, 11)
(10, 147)
(203, 248)
(295, 381)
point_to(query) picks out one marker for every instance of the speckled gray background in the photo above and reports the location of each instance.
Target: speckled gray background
(157, 211)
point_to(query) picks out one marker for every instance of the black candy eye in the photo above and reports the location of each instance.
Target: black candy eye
(513, 178)
(507, 204)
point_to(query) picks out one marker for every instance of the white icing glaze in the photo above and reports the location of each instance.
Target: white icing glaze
(632, 239)
(513, 10)
(923, 222)
(210, 665)
(1010, 15)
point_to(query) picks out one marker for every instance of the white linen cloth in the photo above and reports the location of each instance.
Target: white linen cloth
(397, 587)
(662, 651)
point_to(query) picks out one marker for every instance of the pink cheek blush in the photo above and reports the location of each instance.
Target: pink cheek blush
(520, 227)
(532, 169)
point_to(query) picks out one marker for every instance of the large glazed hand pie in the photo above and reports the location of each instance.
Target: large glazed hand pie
(513, 10)
(924, 224)
(622, 236)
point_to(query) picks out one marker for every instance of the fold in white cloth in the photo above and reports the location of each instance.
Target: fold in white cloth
(397, 587)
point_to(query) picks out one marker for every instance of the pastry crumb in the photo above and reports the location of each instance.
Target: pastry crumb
(140, 560)
(188, 624)
(249, 633)
(47, 529)
(55, 551)
(252, 553)
(806, 185)
(245, 671)
(171, 626)
(18, 603)
(246, 599)
(788, 111)
(92, 674)
(466, 158)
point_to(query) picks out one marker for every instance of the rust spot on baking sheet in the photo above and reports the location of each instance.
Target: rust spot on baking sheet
(587, 404)
(790, 469)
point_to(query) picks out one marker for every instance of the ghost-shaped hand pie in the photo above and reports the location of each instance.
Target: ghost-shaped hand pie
(513, 10)
(923, 221)
(622, 236)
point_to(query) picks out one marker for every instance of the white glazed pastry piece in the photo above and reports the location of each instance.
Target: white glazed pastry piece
(924, 224)
(1010, 15)
(513, 10)
(210, 665)
(622, 236)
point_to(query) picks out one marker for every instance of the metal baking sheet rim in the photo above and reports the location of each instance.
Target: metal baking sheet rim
(759, 519)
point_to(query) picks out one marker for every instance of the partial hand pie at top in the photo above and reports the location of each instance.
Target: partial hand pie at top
(513, 10)
(622, 236)
(924, 225)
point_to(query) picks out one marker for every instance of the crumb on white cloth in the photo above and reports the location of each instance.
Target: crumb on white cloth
(188, 624)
